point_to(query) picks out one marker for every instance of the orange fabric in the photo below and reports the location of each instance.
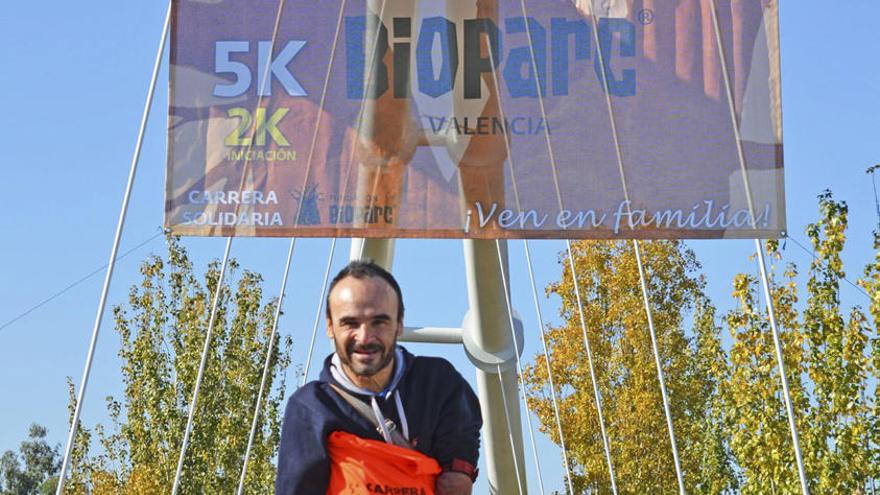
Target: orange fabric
(364, 467)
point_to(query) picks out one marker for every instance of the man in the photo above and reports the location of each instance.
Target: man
(425, 398)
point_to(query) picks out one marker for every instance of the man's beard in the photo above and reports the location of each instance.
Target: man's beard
(358, 367)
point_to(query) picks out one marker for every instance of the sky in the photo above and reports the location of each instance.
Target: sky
(72, 91)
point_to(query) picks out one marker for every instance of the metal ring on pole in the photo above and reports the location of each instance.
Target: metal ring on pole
(113, 252)
(266, 365)
(202, 362)
(504, 276)
(519, 372)
(771, 314)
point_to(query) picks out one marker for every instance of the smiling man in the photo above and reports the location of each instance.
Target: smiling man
(375, 389)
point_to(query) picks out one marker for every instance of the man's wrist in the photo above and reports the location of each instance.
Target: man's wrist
(464, 467)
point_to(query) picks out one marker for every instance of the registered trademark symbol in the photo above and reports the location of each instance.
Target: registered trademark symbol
(646, 16)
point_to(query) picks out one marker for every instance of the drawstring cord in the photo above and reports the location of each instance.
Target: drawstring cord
(381, 418)
(337, 373)
(378, 412)
(403, 423)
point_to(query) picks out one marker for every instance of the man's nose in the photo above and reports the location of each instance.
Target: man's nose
(363, 333)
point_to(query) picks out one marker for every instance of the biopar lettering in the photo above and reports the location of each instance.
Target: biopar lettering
(565, 39)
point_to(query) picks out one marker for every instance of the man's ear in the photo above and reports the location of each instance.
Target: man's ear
(400, 328)
(329, 328)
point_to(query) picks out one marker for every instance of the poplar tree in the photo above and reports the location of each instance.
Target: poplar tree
(162, 332)
(617, 326)
(838, 361)
(871, 283)
(830, 358)
(756, 425)
(726, 395)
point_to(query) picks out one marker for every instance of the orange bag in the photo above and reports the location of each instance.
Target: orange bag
(364, 467)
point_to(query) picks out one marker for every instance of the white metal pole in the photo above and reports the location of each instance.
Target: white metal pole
(596, 395)
(266, 365)
(202, 362)
(501, 257)
(519, 371)
(617, 149)
(549, 369)
(318, 312)
(780, 363)
(71, 437)
(789, 408)
(381, 251)
(656, 348)
(552, 157)
(506, 283)
(434, 335)
(516, 468)
(488, 334)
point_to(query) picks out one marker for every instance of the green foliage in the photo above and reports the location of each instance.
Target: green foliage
(871, 283)
(838, 364)
(826, 349)
(726, 395)
(162, 334)
(41, 466)
(756, 427)
(632, 405)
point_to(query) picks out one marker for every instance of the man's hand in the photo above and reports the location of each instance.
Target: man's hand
(453, 483)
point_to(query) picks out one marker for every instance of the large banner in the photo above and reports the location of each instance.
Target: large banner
(480, 119)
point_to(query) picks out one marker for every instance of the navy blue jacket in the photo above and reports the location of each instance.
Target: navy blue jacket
(441, 409)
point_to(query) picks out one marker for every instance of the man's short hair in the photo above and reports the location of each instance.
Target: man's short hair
(361, 269)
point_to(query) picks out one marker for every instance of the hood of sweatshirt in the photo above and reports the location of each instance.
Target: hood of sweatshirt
(333, 373)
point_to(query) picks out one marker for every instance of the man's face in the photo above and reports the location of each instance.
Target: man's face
(364, 326)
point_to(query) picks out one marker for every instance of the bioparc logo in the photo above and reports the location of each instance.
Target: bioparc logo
(558, 44)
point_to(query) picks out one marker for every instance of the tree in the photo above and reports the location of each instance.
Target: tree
(618, 330)
(726, 395)
(838, 363)
(828, 366)
(162, 334)
(41, 466)
(871, 283)
(756, 426)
